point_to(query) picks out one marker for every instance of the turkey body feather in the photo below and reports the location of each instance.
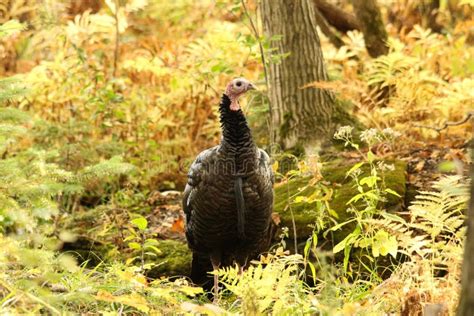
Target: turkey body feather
(228, 199)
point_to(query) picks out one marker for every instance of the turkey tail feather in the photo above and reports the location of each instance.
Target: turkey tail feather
(240, 202)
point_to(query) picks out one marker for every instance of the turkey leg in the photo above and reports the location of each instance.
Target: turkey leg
(242, 266)
(216, 262)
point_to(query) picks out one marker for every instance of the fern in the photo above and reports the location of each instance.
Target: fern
(10, 88)
(112, 167)
(272, 285)
(11, 27)
(433, 242)
(11, 131)
(13, 115)
(440, 212)
(436, 228)
(386, 69)
(31, 183)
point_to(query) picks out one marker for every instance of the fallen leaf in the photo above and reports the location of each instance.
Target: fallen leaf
(419, 166)
(275, 166)
(178, 225)
(134, 300)
(276, 218)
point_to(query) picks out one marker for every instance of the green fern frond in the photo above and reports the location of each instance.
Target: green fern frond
(11, 88)
(11, 93)
(385, 69)
(112, 167)
(11, 27)
(10, 131)
(436, 222)
(13, 115)
(440, 215)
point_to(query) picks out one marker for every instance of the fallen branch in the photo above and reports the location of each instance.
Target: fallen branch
(447, 123)
(323, 24)
(336, 17)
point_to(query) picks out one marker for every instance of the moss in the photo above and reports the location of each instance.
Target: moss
(297, 150)
(395, 180)
(306, 214)
(341, 114)
(175, 259)
(88, 251)
(286, 125)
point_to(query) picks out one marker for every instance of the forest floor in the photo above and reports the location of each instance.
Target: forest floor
(166, 219)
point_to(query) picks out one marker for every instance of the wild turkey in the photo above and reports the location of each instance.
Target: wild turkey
(229, 198)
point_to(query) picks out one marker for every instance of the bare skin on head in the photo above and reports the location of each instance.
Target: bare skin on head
(237, 88)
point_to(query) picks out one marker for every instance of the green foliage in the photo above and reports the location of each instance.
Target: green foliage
(10, 87)
(103, 170)
(433, 241)
(33, 187)
(365, 205)
(11, 27)
(47, 282)
(301, 195)
(141, 243)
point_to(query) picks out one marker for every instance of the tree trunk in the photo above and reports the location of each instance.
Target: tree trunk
(79, 7)
(301, 117)
(466, 304)
(370, 18)
(431, 14)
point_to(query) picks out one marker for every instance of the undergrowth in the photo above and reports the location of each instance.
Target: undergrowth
(43, 280)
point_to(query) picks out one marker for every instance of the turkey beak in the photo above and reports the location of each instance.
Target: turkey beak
(251, 86)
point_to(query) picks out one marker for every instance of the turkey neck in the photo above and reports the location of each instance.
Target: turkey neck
(237, 139)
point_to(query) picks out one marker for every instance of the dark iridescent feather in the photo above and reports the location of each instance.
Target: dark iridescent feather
(228, 199)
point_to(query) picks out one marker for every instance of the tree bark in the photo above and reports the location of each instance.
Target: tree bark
(300, 116)
(339, 19)
(370, 18)
(79, 7)
(466, 304)
(431, 13)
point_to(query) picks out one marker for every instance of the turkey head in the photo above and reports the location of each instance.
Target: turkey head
(237, 88)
